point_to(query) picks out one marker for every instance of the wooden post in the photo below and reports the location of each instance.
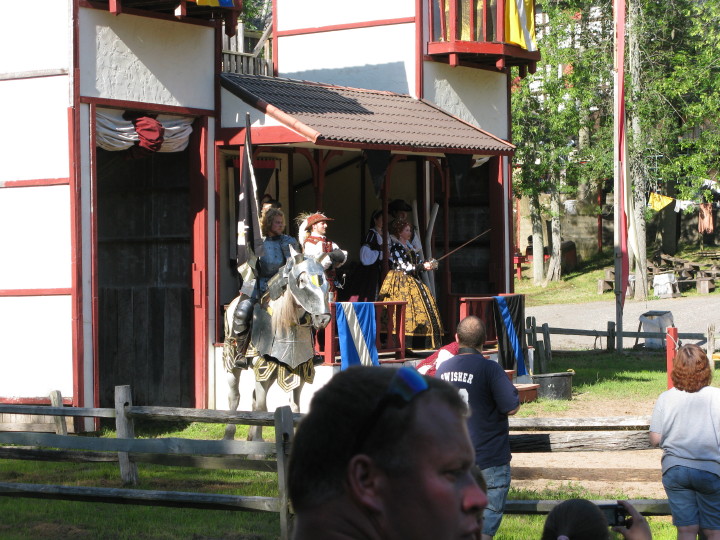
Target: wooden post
(284, 431)
(532, 331)
(125, 430)
(671, 341)
(546, 340)
(710, 340)
(611, 336)
(60, 423)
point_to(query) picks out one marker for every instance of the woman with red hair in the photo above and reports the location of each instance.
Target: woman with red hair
(686, 425)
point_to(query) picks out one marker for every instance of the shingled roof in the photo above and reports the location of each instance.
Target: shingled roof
(326, 113)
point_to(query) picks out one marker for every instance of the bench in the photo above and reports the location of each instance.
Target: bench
(128, 451)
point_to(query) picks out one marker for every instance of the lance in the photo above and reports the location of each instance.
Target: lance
(462, 246)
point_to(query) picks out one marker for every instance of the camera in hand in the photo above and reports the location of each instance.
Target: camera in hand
(616, 514)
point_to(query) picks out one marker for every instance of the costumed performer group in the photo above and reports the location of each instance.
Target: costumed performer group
(402, 283)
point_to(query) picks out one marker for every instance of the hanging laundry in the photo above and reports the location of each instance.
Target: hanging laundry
(682, 205)
(705, 219)
(657, 202)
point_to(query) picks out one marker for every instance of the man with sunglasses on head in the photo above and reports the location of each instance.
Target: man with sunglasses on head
(491, 397)
(384, 454)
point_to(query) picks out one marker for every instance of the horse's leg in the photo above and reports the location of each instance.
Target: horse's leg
(295, 402)
(259, 404)
(233, 380)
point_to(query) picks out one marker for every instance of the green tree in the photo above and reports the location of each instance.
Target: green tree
(560, 115)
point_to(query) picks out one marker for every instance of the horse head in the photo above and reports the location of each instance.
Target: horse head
(307, 283)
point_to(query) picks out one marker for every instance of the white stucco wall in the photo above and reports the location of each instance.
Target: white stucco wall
(35, 146)
(475, 95)
(35, 239)
(318, 13)
(377, 58)
(233, 110)
(35, 346)
(147, 60)
(34, 39)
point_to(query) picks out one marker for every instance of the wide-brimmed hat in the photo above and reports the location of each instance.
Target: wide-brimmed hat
(317, 217)
(398, 205)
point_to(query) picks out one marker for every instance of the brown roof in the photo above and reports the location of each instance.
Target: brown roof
(329, 113)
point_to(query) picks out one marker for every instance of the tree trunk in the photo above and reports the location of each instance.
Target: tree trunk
(553, 273)
(638, 165)
(538, 246)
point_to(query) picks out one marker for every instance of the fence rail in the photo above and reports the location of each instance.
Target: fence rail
(527, 435)
(128, 451)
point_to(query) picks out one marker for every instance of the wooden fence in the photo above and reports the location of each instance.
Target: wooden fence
(527, 435)
(129, 451)
(543, 347)
(581, 435)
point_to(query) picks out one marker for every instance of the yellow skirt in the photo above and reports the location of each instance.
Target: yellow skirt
(422, 318)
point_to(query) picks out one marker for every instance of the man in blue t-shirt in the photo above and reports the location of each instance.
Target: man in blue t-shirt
(484, 385)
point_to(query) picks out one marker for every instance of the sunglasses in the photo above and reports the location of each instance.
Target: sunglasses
(404, 386)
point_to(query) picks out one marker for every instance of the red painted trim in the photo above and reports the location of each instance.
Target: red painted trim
(39, 182)
(152, 107)
(199, 215)
(94, 278)
(275, 44)
(35, 292)
(32, 400)
(440, 151)
(348, 26)
(218, 71)
(78, 348)
(148, 14)
(260, 135)
(482, 47)
(419, 53)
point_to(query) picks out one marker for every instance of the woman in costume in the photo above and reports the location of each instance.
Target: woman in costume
(277, 250)
(402, 283)
(277, 246)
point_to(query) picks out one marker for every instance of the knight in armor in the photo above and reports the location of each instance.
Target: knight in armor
(314, 242)
(277, 250)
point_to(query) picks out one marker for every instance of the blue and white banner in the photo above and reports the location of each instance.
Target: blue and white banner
(356, 333)
(510, 328)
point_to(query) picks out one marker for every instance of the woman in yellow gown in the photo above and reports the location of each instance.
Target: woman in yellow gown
(402, 283)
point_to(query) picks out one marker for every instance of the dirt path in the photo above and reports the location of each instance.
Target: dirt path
(634, 474)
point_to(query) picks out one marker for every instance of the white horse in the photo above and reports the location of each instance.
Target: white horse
(281, 345)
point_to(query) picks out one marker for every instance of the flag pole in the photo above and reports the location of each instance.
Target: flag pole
(620, 182)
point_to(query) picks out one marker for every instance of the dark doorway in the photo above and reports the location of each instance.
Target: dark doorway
(145, 304)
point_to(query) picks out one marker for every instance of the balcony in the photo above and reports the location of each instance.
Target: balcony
(227, 10)
(483, 34)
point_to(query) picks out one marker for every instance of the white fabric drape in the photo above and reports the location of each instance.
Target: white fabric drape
(115, 133)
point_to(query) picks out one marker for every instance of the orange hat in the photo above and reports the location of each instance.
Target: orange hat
(317, 217)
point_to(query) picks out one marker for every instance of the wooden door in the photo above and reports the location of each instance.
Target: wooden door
(145, 304)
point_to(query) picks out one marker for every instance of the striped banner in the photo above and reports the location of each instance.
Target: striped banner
(356, 333)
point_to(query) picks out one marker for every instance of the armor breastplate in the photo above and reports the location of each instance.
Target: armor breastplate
(277, 250)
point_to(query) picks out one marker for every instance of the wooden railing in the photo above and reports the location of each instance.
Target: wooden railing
(463, 20)
(129, 451)
(245, 64)
(527, 435)
(389, 316)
